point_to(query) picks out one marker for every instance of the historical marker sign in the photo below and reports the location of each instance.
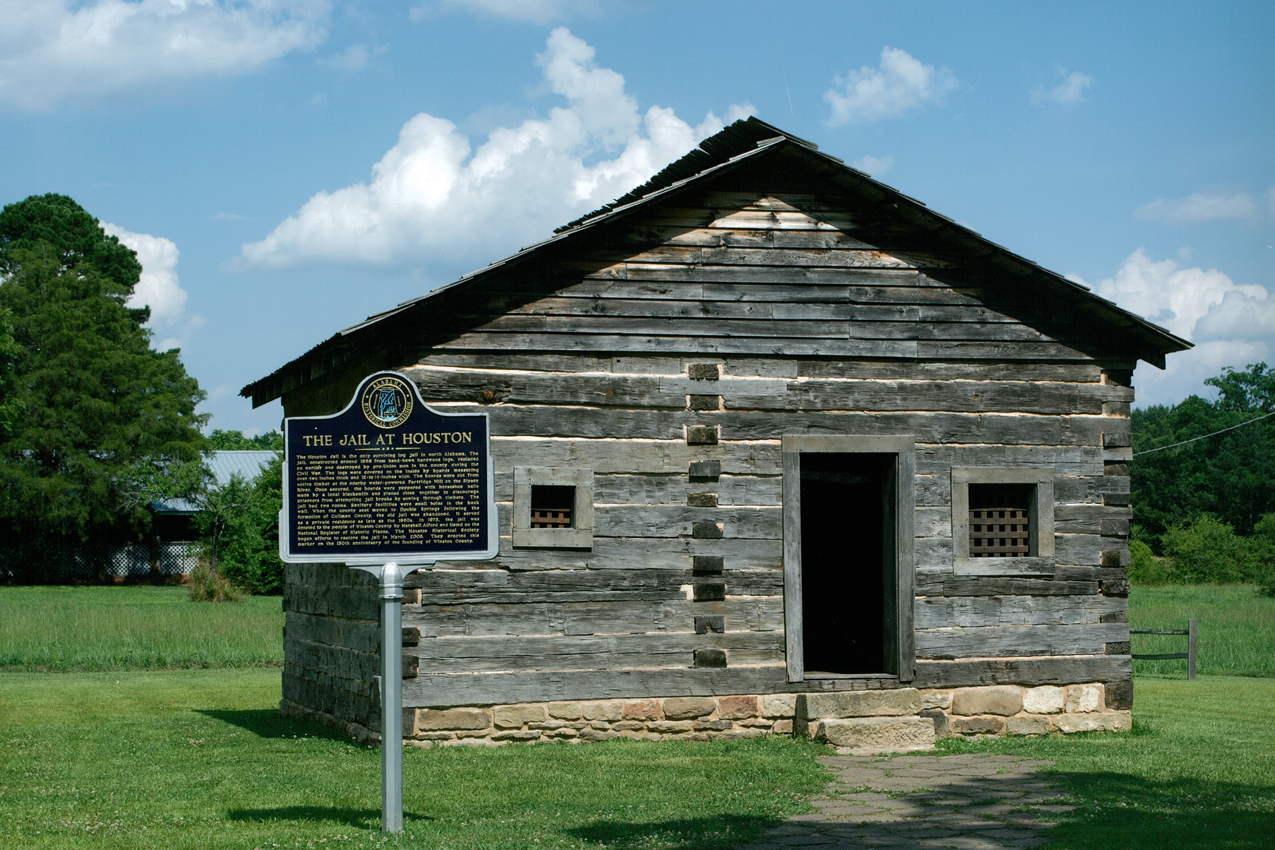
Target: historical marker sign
(387, 485)
(387, 479)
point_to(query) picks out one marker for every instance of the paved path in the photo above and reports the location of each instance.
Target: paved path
(969, 802)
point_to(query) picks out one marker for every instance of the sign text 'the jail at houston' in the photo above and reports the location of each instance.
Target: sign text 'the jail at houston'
(387, 479)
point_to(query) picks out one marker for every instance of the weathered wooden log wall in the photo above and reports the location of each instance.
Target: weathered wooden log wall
(331, 643)
(672, 374)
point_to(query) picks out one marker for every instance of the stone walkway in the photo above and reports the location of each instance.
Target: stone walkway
(969, 802)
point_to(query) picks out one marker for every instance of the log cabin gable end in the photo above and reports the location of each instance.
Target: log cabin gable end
(751, 204)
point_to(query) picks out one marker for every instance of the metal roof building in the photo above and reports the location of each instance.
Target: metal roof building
(223, 465)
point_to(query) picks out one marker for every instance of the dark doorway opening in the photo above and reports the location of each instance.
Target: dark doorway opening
(847, 561)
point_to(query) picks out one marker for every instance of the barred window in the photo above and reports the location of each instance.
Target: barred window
(552, 506)
(1003, 521)
(1000, 520)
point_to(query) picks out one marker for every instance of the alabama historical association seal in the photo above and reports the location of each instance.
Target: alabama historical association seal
(387, 402)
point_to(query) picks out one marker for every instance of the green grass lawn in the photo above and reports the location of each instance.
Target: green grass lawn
(1198, 770)
(134, 628)
(1236, 628)
(201, 759)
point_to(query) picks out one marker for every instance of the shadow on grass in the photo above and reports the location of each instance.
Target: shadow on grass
(1123, 810)
(269, 723)
(719, 831)
(357, 818)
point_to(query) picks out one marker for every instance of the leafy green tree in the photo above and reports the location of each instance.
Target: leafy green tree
(1145, 568)
(220, 507)
(1207, 550)
(1230, 475)
(101, 416)
(9, 409)
(1252, 390)
(250, 540)
(1264, 547)
(221, 441)
(58, 224)
(237, 522)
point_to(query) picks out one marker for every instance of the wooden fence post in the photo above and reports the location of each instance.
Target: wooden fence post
(1189, 655)
(1190, 649)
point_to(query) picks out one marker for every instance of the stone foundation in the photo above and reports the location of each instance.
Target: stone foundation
(909, 719)
(853, 721)
(681, 718)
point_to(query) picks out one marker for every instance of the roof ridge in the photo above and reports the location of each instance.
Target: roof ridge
(736, 138)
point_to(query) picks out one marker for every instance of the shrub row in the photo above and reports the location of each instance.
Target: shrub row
(1206, 550)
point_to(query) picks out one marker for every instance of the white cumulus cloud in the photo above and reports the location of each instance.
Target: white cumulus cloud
(55, 50)
(1199, 207)
(1231, 324)
(351, 59)
(159, 287)
(534, 11)
(1070, 90)
(873, 166)
(434, 198)
(898, 84)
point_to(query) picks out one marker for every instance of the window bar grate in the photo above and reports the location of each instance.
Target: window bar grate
(998, 532)
(551, 519)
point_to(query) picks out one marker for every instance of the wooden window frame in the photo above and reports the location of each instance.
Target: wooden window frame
(580, 534)
(1040, 522)
(901, 639)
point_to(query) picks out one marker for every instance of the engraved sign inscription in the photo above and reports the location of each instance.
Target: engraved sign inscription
(387, 478)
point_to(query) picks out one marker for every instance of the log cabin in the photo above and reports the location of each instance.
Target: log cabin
(778, 449)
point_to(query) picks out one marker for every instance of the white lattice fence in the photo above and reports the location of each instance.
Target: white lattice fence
(178, 558)
(130, 560)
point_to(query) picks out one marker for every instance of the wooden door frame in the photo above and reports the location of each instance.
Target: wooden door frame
(900, 638)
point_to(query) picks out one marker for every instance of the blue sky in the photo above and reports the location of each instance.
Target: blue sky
(286, 168)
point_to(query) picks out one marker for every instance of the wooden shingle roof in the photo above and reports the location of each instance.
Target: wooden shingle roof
(742, 143)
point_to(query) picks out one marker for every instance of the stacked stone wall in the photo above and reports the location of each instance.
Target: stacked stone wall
(864, 721)
(683, 718)
(905, 719)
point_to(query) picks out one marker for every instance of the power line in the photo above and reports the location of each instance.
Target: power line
(1206, 436)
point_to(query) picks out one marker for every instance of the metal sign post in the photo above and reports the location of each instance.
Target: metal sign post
(388, 486)
(391, 578)
(391, 698)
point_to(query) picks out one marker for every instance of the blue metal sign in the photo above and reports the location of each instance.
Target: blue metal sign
(387, 479)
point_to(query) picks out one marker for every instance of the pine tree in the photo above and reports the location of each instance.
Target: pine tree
(100, 415)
